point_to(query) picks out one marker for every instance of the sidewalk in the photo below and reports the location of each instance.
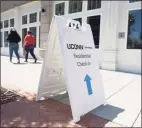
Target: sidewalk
(123, 94)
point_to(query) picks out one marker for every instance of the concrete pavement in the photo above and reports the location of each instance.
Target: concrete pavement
(123, 91)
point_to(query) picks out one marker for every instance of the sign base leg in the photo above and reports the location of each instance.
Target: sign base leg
(105, 103)
(75, 120)
(37, 98)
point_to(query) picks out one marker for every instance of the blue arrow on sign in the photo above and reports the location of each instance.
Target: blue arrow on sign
(88, 83)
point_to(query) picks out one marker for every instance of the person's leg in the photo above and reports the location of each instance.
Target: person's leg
(10, 52)
(16, 48)
(32, 53)
(27, 52)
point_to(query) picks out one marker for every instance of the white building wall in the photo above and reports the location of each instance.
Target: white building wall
(17, 14)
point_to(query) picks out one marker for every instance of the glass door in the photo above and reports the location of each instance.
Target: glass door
(94, 22)
(1, 39)
(134, 34)
(5, 38)
(24, 33)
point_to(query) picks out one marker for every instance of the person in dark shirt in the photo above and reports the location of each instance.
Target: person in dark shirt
(14, 39)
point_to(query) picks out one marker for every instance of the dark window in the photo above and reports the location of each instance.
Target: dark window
(94, 4)
(5, 39)
(59, 9)
(1, 39)
(24, 19)
(33, 30)
(39, 36)
(134, 39)
(131, 1)
(79, 19)
(33, 17)
(1, 25)
(24, 33)
(6, 24)
(75, 6)
(40, 16)
(94, 22)
(12, 22)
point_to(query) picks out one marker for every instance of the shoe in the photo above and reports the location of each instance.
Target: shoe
(35, 60)
(25, 61)
(18, 62)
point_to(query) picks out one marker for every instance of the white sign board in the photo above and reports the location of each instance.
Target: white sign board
(71, 54)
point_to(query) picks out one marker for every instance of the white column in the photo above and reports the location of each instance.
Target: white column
(110, 46)
(18, 23)
(66, 7)
(17, 19)
(45, 24)
(44, 29)
(84, 6)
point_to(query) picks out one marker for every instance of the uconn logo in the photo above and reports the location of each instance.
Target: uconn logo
(75, 46)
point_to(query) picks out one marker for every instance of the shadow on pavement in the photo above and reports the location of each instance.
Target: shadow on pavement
(107, 112)
(47, 113)
(28, 113)
(35, 63)
(20, 63)
(7, 95)
(102, 116)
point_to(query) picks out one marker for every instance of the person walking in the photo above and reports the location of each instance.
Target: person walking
(14, 39)
(29, 45)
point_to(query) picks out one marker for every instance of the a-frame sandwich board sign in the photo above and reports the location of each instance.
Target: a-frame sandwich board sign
(71, 63)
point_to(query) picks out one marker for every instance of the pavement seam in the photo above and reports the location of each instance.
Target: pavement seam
(136, 119)
(121, 89)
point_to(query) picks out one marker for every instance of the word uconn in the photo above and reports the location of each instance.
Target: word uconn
(75, 46)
